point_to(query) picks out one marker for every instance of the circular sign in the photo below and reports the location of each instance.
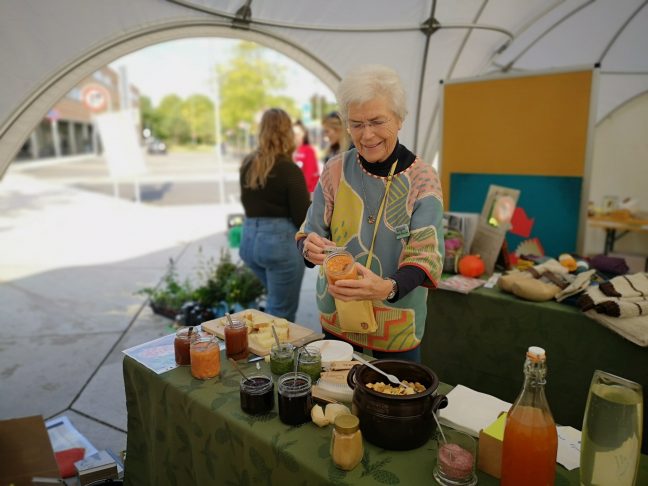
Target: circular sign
(95, 97)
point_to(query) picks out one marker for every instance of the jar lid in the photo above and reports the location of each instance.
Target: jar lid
(346, 423)
(235, 324)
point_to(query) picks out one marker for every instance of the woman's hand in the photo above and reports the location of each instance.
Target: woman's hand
(368, 287)
(314, 245)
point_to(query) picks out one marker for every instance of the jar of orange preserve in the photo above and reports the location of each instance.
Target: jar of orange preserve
(340, 265)
(205, 358)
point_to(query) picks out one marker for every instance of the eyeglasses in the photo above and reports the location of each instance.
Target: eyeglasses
(358, 127)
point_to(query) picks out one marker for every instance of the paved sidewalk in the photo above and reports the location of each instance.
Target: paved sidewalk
(70, 264)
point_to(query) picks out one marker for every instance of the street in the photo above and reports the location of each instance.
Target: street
(182, 178)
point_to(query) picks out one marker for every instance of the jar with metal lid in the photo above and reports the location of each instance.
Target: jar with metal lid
(236, 340)
(309, 361)
(346, 442)
(282, 358)
(181, 344)
(339, 265)
(295, 398)
(257, 394)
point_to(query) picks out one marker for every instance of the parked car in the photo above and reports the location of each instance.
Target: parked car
(157, 147)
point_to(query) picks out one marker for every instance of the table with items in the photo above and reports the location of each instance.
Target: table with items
(476, 340)
(182, 430)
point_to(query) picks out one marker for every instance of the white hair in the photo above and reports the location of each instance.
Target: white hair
(367, 82)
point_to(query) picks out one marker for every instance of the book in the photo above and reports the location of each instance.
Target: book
(102, 465)
(459, 283)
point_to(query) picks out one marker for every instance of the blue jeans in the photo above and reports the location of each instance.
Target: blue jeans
(411, 355)
(268, 248)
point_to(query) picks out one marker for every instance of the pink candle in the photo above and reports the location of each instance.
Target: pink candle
(455, 462)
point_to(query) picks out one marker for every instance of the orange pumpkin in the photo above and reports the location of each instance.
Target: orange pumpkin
(471, 266)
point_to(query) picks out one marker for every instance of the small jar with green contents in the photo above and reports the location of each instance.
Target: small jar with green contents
(282, 358)
(310, 362)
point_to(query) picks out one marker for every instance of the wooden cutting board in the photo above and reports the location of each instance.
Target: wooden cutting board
(298, 335)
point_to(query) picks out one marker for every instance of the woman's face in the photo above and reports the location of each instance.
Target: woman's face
(299, 135)
(332, 135)
(373, 128)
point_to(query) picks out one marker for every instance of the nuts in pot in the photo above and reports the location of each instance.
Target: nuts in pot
(407, 388)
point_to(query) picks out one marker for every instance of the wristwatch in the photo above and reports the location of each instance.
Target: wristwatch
(394, 289)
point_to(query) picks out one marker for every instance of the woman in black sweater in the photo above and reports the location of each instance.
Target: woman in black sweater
(275, 198)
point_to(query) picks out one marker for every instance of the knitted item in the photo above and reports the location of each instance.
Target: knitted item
(535, 290)
(626, 286)
(594, 298)
(551, 269)
(580, 283)
(634, 329)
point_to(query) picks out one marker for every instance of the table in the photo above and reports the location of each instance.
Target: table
(622, 222)
(479, 340)
(184, 431)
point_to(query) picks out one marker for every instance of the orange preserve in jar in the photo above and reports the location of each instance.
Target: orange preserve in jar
(340, 265)
(205, 358)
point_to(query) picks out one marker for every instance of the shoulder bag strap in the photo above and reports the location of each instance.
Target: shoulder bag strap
(380, 210)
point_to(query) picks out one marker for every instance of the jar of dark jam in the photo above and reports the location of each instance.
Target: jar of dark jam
(236, 340)
(310, 362)
(294, 397)
(257, 394)
(181, 344)
(282, 358)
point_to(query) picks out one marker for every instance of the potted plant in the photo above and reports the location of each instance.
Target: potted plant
(168, 297)
(224, 287)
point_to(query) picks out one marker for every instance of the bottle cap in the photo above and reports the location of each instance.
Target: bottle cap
(346, 423)
(536, 353)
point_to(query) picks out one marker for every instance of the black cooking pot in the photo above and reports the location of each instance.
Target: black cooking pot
(395, 422)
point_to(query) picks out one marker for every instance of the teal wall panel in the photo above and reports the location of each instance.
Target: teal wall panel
(553, 203)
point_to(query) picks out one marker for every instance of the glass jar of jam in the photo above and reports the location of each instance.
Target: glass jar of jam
(236, 340)
(181, 343)
(205, 358)
(257, 394)
(282, 358)
(310, 362)
(294, 397)
(346, 442)
(339, 265)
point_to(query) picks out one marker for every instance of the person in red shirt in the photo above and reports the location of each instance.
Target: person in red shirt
(304, 156)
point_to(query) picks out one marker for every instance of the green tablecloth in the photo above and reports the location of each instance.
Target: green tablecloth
(479, 340)
(183, 431)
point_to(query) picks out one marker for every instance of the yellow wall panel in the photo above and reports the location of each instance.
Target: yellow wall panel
(531, 125)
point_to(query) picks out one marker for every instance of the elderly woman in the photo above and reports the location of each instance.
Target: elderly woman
(376, 198)
(274, 195)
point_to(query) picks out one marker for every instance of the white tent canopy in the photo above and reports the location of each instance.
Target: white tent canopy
(50, 46)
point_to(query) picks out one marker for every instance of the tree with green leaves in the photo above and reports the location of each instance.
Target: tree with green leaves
(198, 112)
(248, 86)
(173, 127)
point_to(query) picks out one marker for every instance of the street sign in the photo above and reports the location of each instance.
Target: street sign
(53, 115)
(95, 97)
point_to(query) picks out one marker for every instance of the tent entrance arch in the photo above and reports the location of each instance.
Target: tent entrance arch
(17, 129)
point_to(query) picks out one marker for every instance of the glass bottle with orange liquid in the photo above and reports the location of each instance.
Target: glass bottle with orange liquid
(530, 437)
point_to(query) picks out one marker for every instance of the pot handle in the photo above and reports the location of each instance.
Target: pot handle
(439, 402)
(351, 376)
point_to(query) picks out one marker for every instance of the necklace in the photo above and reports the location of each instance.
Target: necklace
(371, 219)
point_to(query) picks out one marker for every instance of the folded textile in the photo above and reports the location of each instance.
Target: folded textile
(470, 411)
(535, 290)
(552, 268)
(634, 329)
(594, 298)
(609, 265)
(579, 284)
(624, 286)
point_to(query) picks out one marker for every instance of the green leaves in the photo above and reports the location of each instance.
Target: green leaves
(376, 470)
